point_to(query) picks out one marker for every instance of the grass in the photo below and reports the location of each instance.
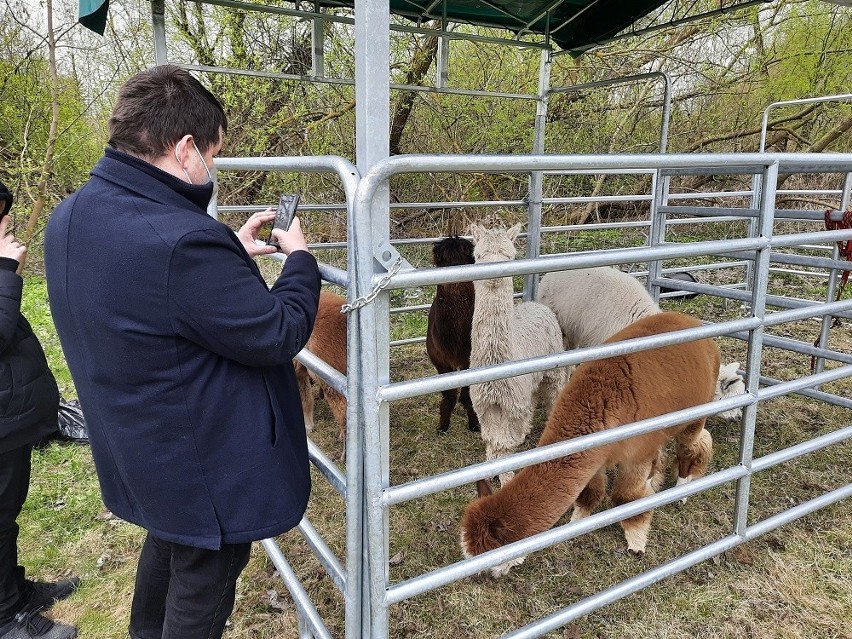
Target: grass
(793, 582)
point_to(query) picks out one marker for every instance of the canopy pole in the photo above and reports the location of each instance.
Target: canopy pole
(318, 44)
(158, 22)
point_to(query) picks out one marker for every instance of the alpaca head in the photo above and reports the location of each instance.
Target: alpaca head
(484, 527)
(730, 384)
(452, 251)
(495, 244)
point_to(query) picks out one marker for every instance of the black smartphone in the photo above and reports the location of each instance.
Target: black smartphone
(284, 214)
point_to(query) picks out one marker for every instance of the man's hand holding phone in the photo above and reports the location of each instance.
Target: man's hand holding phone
(284, 214)
(286, 234)
(291, 239)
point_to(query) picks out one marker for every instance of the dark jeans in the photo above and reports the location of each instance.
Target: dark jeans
(184, 592)
(14, 484)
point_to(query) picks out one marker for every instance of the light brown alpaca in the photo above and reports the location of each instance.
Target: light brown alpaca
(600, 395)
(328, 342)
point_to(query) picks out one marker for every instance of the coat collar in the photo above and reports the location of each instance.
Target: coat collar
(151, 182)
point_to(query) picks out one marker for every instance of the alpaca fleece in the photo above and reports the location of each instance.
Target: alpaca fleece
(328, 342)
(593, 304)
(601, 395)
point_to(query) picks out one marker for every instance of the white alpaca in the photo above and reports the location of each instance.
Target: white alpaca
(579, 297)
(730, 384)
(593, 304)
(503, 332)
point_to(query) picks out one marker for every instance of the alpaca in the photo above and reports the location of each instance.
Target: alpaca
(448, 331)
(328, 342)
(603, 394)
(504, 332)
(593, 304)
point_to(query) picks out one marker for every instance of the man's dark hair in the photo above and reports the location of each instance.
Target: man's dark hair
(157, 107)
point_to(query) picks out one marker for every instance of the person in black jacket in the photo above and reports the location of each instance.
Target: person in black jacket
(29, 405)
(181, 354)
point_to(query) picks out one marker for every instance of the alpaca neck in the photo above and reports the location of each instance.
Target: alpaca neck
(539, 495)
(491, 332)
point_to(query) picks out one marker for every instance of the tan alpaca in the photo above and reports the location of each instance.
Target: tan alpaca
(600, 395)
(328, 342)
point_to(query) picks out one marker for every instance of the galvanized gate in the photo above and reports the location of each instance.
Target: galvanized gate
(376, 268)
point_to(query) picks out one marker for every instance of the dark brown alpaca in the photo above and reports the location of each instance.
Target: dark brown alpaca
(328, 342)
(448, 333)
(600, 395)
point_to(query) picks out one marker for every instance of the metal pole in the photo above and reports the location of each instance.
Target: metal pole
(657, 232)
(372, 223)
(158, 23)
(667, 111)
(318, 44)
(443, 62)
(758, 283)
(536, 178)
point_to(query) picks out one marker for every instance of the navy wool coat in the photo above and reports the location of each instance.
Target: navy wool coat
(181, 356)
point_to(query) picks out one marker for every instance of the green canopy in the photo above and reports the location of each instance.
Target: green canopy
(575, 25)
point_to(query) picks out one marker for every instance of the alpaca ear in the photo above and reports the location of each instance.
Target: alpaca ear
(513, 232)
(483, 488)
(476, 231)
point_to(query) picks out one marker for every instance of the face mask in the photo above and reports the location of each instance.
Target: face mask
(201, 157)
(203, 163)
(210, 178)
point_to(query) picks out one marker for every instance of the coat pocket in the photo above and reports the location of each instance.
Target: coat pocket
(275, 415)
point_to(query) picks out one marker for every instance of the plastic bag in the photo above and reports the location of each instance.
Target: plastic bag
(72, 424)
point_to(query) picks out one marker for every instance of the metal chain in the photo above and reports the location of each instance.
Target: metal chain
(369, 297)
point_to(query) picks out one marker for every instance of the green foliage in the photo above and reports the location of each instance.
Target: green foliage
(25, 113)
(35, 307)
(810, 54)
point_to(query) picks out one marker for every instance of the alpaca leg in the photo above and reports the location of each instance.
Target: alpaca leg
(337, 403)
(694, 451)
(472, 419)
(658, 471)
(590, 497)
(448, 402)
(448, 398)
(551, 386)
(502, 435)
(633, 482)
(306, 395)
